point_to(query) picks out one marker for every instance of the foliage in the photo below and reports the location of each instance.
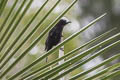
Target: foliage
(18, 37)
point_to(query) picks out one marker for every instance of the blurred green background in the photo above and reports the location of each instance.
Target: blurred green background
(80, 15)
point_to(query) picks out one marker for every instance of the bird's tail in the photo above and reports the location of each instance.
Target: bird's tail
(46, 57)
(47, 49)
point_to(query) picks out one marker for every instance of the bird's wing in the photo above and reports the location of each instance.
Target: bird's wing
(52, 31)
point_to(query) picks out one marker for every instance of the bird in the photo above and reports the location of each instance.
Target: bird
(55, 34)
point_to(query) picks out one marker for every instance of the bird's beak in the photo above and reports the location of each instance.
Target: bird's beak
(69, 22)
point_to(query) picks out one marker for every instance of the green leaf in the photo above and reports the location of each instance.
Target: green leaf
(16, 25)
(10, 25)
(104, 71)
(79, 56)
(3, 4)
(28, 37)
(97, 66)
(82, 63)
(50, 70)
(69, 53)
(15, 41)
(62, 43)
(34, 43)
(5, 21)
(111, 75)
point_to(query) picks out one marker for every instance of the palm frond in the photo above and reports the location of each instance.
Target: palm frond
(49, 71)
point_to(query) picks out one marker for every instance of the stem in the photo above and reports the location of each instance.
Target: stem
(61, 54)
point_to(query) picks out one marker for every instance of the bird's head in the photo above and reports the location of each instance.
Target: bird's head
(64, 21)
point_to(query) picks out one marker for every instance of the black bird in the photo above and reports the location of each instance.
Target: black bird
(55, 34)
